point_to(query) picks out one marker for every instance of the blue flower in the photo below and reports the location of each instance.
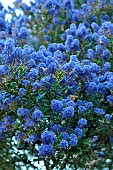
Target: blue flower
(2, 43)
(63, 144)
(78, 132)
(48, 4)
(56, 21)
(23, 33)
(69, 4)
(94, 68)
(4, 70)
(105, 54)
(81, 109)
(98, 49)
(89, 105)
(70, 103)
(67, 112)
(82, 123)
(95, 37)
(55, 127)
(56, 105)
(33, 74)
(6, 124)
(45, 150)
(99, 111)
(75, 45)
(108, 117)
(20, 136)
(65, 135)
(92, 87)
(22, 92)
(52, 67)
(31, 64)
(95, 138)
(1, 7)
(79, 33)
(37, 114)
(107, 66)
(2, 24)
(36, 86)
(95, 27)
(68, 41)
(23, 112)
(15, 32)
(58, 56)
(110, 85)
(102, 88)
(17, 54)
(60, 47)
(29, 124)
(47, 38)
(45, 30)
(74, 58)
(110, 99)
(69, 66)
(101, 154)
(48, 137)
(73, 140)
(104, 40)
(25, 83)
(9, 46)
(33, 138)
(47, 81)
(42, 68)
(52, 47)
(105, 17)
(88, 37)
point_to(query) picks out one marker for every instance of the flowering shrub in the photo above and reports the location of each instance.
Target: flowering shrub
(56, 83)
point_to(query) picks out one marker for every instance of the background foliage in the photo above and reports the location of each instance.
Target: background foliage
(56, 85)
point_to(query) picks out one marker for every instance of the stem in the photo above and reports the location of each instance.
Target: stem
(65, 161)
(46, 162)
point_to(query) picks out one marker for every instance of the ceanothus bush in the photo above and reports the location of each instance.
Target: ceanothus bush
(56, 84)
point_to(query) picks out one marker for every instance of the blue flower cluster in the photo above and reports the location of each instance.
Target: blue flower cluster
(48, 139)
(56, 77)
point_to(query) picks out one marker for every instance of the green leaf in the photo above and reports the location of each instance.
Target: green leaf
(59, 138)
(84, 131)
(86, 141)
(39, 97)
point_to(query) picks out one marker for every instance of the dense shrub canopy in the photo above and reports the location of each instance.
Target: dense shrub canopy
(56, 84)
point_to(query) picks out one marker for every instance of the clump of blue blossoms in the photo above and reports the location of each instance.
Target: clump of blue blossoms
(63, 144)
(56, 105)
(23, 112)
(48, 137)
(45, 150)
(56, 84)
(68, 112)
(82, 123)
(36, 115)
